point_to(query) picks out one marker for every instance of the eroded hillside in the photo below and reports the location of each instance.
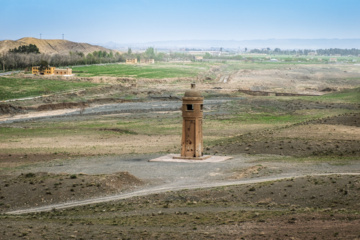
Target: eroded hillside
(51, 46)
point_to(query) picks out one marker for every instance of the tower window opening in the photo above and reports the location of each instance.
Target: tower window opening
(189, 107)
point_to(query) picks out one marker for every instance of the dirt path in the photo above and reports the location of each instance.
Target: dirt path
(160, 189)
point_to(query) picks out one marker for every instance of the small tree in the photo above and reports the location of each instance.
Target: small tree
(207, 55)
(43, 65)
(150, 53)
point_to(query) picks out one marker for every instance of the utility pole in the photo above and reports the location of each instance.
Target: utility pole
(40, 35)
(63, 36)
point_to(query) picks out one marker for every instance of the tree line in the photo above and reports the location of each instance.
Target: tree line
(29, 55)
(31, 48)
(11, 60)
(150, 53)
(322, 52)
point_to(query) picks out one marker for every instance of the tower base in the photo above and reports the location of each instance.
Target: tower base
(192, 158)
(176, 158)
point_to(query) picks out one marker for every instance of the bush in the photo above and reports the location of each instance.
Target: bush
(29, 175)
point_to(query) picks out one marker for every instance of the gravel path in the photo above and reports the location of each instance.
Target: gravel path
(130, 107)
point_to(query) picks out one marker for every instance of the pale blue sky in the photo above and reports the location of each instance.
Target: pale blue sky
(129, 21)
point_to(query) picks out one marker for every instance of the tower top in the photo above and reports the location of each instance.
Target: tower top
(192, 92)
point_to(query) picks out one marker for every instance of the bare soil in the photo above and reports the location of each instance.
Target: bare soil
(6, 108)
(17, 160)
(296, 79)
(299, 208)
(333, 136)
(37, 189)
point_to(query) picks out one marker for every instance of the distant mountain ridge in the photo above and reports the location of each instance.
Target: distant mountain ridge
(250, 44)
(51, 46)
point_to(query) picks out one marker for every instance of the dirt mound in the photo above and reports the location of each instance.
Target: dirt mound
(36, 189)
(10, 109)
(248, 172)
(55, 46)
(352, 119)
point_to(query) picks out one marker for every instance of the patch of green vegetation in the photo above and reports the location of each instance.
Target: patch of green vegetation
(158, 70)
(11, 88)
(267, 118)
(45, 131)
(91, 127)
(350, 95)
(345, 96)
(153, 126)
(258, 65)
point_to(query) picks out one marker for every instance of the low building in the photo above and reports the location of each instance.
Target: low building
(51, 71)
(45, 71)
(147, 61)
(131, 61)
(67, 71)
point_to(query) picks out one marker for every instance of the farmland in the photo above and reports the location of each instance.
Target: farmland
(158, 70)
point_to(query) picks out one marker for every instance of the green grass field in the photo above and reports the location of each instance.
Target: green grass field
(173, 70)
(349, 95)
(11, 88)
(345, 96)
(158, 70)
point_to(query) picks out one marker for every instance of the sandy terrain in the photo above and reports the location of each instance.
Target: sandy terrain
(296, 79)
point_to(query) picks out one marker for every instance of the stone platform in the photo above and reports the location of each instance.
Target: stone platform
(176, 158)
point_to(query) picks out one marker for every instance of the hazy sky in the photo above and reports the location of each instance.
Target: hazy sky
(129, 21)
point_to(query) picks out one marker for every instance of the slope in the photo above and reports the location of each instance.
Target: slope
(51, 46)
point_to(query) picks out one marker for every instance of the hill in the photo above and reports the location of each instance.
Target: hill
(53, 46)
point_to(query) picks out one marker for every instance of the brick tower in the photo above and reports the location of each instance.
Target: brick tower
(192, 137)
